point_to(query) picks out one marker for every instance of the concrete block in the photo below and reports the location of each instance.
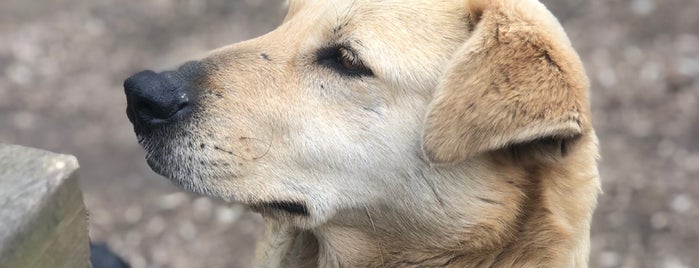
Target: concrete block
(43, 221)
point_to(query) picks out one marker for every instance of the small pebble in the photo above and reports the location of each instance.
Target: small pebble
(681, 203)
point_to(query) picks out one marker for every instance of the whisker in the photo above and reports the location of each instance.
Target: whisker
(378, 242)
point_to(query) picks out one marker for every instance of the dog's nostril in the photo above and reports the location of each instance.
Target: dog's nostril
(183, 105)
(143, 106)
(157, 110)
(154, 98)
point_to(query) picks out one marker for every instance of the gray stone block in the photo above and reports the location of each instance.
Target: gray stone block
(43, 221)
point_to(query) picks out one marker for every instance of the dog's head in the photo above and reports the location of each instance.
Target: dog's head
(346, 103)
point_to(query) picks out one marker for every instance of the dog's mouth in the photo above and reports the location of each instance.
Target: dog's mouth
(179, 172)
(202, 165)
(192, 180)
(289, 207)
(191, 163)
(155, 164)
(190, 166)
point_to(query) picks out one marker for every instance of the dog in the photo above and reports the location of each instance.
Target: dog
(388, 134)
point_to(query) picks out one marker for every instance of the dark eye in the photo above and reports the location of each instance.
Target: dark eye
(343, 60)
(349, 60)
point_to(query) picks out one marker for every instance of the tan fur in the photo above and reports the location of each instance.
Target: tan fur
(470, 145)
(533, 86)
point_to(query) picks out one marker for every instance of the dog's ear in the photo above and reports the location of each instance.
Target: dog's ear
(515, 80)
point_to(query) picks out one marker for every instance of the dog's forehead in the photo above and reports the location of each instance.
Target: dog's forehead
(395, 35)
(379, 22)
(342, 10)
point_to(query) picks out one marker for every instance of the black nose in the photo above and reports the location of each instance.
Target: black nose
(154, 99)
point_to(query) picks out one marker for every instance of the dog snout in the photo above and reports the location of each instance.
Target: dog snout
(154, 99)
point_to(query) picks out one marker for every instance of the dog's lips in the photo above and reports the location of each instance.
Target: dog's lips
(180, 180)
(154, 155)
(155, 166)
(290, 207)
(158, 167)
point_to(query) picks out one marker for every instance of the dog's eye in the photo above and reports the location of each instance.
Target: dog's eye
(350, 61)
(344, 60)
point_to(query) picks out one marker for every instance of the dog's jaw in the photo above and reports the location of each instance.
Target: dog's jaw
(449, 233)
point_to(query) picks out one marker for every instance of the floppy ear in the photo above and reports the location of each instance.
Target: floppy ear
(515, 80)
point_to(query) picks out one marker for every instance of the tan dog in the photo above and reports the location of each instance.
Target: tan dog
(389, 134)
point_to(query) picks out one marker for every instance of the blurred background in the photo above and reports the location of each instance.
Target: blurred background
(62, 63)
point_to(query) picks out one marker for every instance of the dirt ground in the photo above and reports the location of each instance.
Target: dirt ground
(62, 63)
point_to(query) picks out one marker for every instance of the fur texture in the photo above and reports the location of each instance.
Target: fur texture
(468, 144)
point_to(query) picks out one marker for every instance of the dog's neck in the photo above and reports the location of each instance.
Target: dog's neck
(473, 217)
